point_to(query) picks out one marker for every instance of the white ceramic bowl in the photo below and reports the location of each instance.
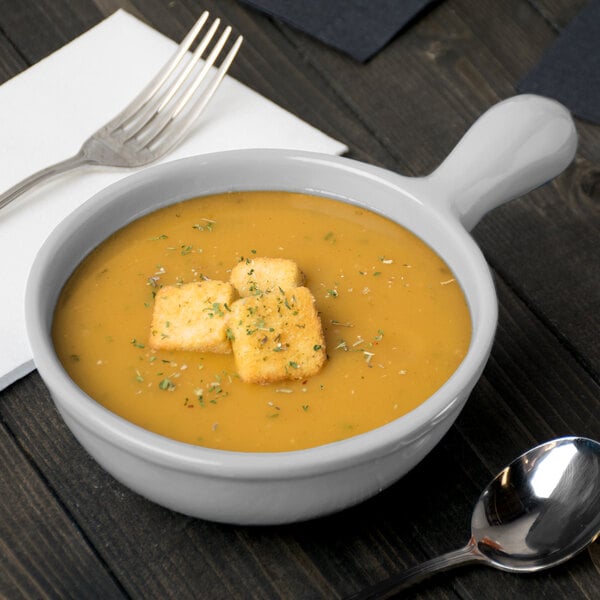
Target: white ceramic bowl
(516, 146)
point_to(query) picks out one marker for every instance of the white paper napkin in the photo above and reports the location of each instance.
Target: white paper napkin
(47, 111)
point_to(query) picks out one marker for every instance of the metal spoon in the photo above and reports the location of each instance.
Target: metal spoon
(539, 511)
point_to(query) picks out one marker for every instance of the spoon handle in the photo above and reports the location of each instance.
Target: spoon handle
(397, 583)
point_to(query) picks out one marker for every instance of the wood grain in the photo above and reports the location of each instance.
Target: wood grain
(68, 530)
(38, 538)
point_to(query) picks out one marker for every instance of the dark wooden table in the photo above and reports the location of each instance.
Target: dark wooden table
(68, 530)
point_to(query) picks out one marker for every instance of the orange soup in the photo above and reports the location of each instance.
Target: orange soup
(395, 322)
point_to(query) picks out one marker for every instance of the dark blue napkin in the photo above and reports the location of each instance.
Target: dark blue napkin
(359, 28)
(569, 71)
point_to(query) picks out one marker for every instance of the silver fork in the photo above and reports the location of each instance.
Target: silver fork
(158, 117)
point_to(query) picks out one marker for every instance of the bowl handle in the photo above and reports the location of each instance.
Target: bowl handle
(514, 147)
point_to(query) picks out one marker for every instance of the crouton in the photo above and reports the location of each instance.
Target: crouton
(192, 316)
(262, 275)
(276, 336)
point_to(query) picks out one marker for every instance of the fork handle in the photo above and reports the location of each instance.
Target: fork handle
(39, 177)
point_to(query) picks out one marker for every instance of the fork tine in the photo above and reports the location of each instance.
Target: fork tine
(210, 61)
(147, 132)
(192, 62)
(162, 98)
(176, 128)
(159, 79)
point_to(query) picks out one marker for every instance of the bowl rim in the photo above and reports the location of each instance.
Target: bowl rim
(75, 405)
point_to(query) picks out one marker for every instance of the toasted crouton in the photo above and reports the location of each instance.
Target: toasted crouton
(277, 336)
(192, 317)
(261, 275)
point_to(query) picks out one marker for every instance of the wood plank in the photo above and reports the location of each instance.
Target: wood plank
(42, 553)
(544, 240)
(46, 25)
(108, 7)
(10, 62)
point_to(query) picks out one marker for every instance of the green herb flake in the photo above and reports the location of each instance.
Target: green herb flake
(340, 324)
(200, 396)
(206, 226)
(166, 384)
(216, 306)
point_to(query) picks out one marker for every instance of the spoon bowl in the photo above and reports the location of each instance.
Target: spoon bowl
(539, 511)
(543, 508)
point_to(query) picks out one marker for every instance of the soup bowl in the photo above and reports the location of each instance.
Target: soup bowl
(516, 146)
